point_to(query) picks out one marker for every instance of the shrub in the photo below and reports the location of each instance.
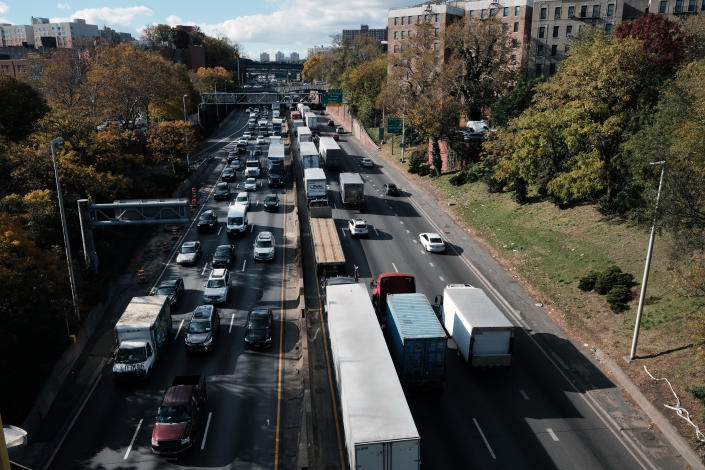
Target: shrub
(475, 171)
(618, 297)
(520, 191)
(416, 159)
(424, 169)
(459, 179)
(698, 392)
(587, 282)
(608, 279)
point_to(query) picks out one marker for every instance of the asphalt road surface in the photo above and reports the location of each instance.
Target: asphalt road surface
(553, 408)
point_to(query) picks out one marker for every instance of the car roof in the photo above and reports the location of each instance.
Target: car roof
(265, 236)
(224, 247)
(178, 395)
(357, 219)
(243, 194)
(208, 212)
(218, 273)
(202, 312)
(259, 311)
(272, 195)
(250, 180)
(189, 244)
(432, 235)
(222, 184)
(168, 283)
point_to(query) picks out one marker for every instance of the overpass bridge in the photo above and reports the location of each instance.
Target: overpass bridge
(261, 98)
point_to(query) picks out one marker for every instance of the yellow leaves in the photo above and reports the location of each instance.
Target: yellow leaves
(206, 77)
(313, 68)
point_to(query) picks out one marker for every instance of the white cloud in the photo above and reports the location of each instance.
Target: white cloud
(173, 20)
(3, 8)
(63, 6)
(123, 17)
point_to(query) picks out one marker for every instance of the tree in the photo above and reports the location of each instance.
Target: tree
(171, 140)
(21, 107)
(436, 158)
(365, 82)
(662, 40)
(480, 62)
(514, 102)
(64, 80)
(158, 33)
(313, 68)
(221, 53)
(206, 77)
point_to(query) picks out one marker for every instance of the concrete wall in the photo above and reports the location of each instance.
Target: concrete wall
(342, 117)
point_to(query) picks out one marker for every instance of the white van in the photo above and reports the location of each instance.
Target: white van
(236, 222)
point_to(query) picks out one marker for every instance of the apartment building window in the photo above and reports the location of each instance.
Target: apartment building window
(409, 20)
(539, 49)
(515, 43)
(471, 13)
(395, 35)
(691, 5)
(517, 11)
(505, 26)
(402, 34)
(569, 31)
(543, 13)
(554, 50)
(396, 48)
(437, 31)
(583, 11)
(516, 26)
(542, 32)
(552, 69)
(506, 11)
(679, 6)
(403, 18)
(608, 28)
(438, 17)
(571, 12)
(418, 19)
(435, 46)
(483, 13)
(539, 69)
(557, 13)
(493, 11)
(555, 31)
(662, 7)
(567, 48)
(610, 9)
(596, 11)
(396, 20)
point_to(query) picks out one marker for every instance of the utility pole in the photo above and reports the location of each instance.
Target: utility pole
(72, 281)
(647, 265)
(188, 161)
(403, 131)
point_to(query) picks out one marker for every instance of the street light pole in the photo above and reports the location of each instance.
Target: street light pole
(403, 131)
(72, 280)
(647, 265)
(188, 161)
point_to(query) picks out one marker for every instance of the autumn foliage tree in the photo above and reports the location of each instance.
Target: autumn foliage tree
(170, 141)
(21, 107)
(313, 68)
(662, 40)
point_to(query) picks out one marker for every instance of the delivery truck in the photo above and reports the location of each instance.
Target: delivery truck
(417, 341)
(481, 331)
(327, 250)
(309, 155)
(380, 433)
(311, 119)
(304, 134)
(352, 189)
(315, 183)
(140, 334)
(386, 284)
(330, 152)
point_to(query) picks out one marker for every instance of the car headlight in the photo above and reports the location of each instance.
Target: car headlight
(186, 440)
(155, 443)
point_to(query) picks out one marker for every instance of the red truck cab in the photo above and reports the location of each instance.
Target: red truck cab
(179, 414)
(390, 283)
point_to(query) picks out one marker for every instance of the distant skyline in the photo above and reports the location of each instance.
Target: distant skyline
(268, 26)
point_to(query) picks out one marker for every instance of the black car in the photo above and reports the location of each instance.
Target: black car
(271, 202)
(222, 192)
(173, 288)
(232, 156)
(274, 178)
(390, 189)
(207, 221)
(223, 256)
(236, 165)
(202, 329)
(228, 174)
(258, 330)
(256, 153)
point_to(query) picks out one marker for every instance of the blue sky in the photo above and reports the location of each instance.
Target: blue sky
(256, 25)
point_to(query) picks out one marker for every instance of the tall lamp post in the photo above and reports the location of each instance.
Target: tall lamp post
(69, 262)
(188, 161)
(647, 265)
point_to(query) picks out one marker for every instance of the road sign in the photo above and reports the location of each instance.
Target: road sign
(334, 97)
(394, 125)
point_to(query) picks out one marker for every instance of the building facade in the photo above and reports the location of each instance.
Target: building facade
(555, 22)
(264, 57)
(294, 57)
(675, 9)
(279, 57)
(67, 34)
(377, 34)
(16, 35)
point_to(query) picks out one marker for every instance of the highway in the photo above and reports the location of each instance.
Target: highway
(244, 408)
(553, 408)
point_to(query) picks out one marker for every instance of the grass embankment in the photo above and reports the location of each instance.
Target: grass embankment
(551, 249)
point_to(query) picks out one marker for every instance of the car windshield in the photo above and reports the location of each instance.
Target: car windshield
(270, 199)
(235, 221)
(205, 217)
(435, 240)
(199, 327)
(257, 323)
(250, 181)
(391, 186)
(241, 199)
(131, 355)
(188, 249)
(252, 164)
(216, 283)
(264, 243)
(168, 290)
(222, 251)
(223, 186)
(173, 414)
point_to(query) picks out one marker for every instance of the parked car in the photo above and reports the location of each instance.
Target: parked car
(217, 287)
(258, 329)
(358, 227)
(222, 192)
(250, 184)
(189, 253)
(271, 202)
(366, 163)
(223, 256)
(390, 189)
(172, 288)
(432, 242)
(243, 199)
(202, 330)
(110, 122)
(228, 174)
(264, 246)
(207, 220)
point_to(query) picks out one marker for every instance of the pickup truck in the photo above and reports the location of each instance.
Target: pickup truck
(179, 415)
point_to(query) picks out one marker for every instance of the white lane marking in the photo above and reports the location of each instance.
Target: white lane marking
(252, 228)
(73, 421)
(395, 267)
(430, 264)
(257, 204)
(408, 231)
(132, 442)
(442, 278)
(204, 269)
(219, 229)
(414, 240)
(524, 395)
(231, 323)
(552, 434)
(179, 329)
(401, 221)
(477, 425)
(205, 432)
(342, 230)
(244, 263)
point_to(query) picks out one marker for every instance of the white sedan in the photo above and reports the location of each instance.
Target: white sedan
(432, 242)
(242, 199)
(358, 227)
(260, 140)
(250, 184)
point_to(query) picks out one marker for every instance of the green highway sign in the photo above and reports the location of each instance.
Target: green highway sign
(394, 125)
(334, 97)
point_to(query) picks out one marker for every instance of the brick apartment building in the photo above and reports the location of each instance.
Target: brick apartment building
(377, 34)
(403, 22)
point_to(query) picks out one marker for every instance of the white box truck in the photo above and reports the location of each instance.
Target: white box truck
(380, 433)
(304, 134)
(352, 189)
(309, 155)
(315, 183)
(330, 152)
(296, 123)
(481, 331)
(311, 119)
(140, 334)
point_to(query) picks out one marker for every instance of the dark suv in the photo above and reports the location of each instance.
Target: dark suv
(222, 192)
(223, 256)
(202, 329)
(258, 330)
(207, 221)
(172, 288)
